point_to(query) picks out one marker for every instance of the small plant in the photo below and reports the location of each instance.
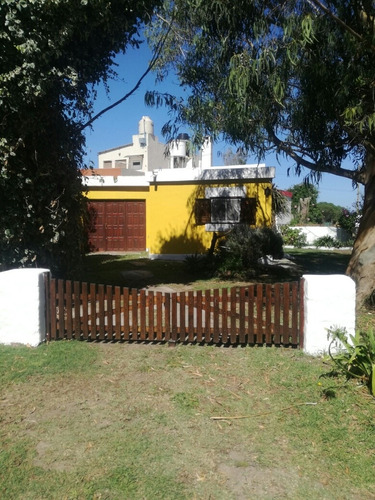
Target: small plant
(328, 242)
(356, 358)
(293, 237)
(349, 221)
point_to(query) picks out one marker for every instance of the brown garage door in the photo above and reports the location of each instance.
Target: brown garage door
(118, 226)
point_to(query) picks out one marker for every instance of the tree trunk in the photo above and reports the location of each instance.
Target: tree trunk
(362, 262)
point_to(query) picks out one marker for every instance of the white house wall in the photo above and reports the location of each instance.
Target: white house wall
(155, 154)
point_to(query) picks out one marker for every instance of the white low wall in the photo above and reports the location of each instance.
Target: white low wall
(22, 307)
(329, 303)
(314, 232)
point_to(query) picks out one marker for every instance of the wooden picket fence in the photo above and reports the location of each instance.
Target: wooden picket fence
(270, 314)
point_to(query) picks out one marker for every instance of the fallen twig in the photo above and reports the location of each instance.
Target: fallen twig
(260, 414)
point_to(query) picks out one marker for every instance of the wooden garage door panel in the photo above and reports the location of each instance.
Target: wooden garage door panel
(97, 239)
(115, 226)
(135, 226)
(118, 225)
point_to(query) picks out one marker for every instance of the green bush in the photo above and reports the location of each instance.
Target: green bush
(244, 247)
(328, 242)
(357, 358)
(349, 221)
(293, 237)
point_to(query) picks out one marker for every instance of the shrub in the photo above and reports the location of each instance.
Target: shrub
(349, 220)
(293, 237)
(243, 247)
(328, 241)
(357, 359)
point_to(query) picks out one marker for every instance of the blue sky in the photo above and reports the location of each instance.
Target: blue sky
(116, 127)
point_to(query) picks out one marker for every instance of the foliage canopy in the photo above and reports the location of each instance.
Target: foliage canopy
(264, 74)
(52, 53)
(295, 78)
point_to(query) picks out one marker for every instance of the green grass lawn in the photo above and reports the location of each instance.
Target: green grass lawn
(132, 421)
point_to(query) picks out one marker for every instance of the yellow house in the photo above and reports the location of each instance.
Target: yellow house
(175, 212)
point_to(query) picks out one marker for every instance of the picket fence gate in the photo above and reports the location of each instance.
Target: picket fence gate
(257, 314)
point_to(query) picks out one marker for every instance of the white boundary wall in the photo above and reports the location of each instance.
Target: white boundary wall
(22, 307)
(314, 232)
(329, 303)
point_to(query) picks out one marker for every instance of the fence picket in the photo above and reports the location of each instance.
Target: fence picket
(276, 320)
(182, 317)
(134, 309)
(294, 313)
(117, 312)
(216, 315)
(52, 309)
(85, 311)
(191, 316)
(77, 307)
(159, 316)
(93, 328)
(167, 316)
(109, 312)
(143, 317)
(268, 332)
(199, 312)
(61, 309)
(125, 312)
(259, 306)
(242, 330)
(285, 313)
(250, 314)
(224, 316)
(100, 308)
(207, 316)
(47, 308)
(68, 310)
(233, 314)
(174, 317)
(151, 310)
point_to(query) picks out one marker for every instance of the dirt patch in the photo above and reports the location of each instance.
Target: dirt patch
(248, 479)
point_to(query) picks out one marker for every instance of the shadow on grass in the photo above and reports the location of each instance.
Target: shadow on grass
(132, 271)
(320, 261)
(137, 271)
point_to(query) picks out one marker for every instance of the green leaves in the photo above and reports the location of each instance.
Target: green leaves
(295, 77)
(357, 356)
(51, 54)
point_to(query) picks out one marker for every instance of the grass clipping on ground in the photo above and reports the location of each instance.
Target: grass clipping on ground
(115, 421)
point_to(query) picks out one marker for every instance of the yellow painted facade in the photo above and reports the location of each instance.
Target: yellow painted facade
(170, 221)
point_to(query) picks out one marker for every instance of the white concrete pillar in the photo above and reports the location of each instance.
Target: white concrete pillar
(22, 307)
(329, 303)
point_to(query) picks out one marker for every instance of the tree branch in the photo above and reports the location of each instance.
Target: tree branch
(353, 175)
(339, 21)
(150, 66)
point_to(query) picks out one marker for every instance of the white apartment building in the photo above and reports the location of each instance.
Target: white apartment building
(146, 154)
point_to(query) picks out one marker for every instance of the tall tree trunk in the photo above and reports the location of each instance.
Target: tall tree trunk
(362, 262)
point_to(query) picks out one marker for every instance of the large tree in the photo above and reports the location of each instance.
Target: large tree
(295, 77)
(52, 54)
